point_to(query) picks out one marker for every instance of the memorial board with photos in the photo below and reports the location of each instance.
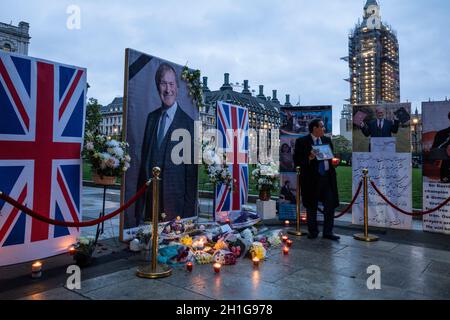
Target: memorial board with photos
(382, 144)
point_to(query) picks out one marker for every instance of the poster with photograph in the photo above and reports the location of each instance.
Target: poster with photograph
(159, 118)
(295, 120)
(382, 144)
(294, 125)
(436, 164)
(372, 122)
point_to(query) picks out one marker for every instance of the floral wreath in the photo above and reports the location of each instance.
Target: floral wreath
(192, 77)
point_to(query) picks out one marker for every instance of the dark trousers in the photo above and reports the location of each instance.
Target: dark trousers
(326, 196)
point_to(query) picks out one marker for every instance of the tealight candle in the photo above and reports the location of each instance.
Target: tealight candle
(284, 238)
(36, 270)
(255, 262)
(227, 220)
(72, 250)
(289, 243)
(189, 266)
(285, 251)
(217, 267)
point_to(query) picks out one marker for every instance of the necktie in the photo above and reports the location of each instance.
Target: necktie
(321, 163)
(162, 127)
(379, 125)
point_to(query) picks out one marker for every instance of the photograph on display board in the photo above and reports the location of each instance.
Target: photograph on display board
(157, 104)
(294, 121)
(287, 146)
(436, 142)
(382, 128)
(288, 188)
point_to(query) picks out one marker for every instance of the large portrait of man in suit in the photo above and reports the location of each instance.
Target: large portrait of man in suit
(382, 127)
(178, 185)
(160, 118)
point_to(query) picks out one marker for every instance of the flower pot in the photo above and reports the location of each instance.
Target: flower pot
(264, 195)
(82, 260)
(103, 180)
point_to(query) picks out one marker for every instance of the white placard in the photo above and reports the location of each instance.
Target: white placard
(392, 174)
(383, 145)
(433, 195)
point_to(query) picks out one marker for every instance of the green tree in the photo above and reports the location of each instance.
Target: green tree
(93, 115)
(342, 148)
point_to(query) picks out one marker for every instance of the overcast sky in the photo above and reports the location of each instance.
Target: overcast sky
(293, 46)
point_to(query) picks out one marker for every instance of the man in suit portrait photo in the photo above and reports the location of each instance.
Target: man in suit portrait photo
(318, 180)
(380, 127)
(178, 185)
(441, 153)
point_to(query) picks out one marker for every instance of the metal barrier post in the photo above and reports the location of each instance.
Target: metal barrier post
(154, 270)
(366, 236)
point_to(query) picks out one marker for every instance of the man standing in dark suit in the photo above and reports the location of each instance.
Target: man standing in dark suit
(442, 141)
(318, 180)
(380, 127)
(178, 185)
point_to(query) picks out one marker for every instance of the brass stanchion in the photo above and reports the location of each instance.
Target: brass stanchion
(154, 270)
(297, 232)
(366, 236)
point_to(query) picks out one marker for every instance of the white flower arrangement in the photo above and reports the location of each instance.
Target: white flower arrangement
(216, 168)
(266, 176)
(107, 157)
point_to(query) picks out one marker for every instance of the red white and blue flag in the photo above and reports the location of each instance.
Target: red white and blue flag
(42, 112)
(232, 125)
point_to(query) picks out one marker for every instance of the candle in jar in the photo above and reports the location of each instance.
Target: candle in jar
(189, 266)
(217, 267)
(72, 250)
(289, 243)
(284, 238)
(285, 251)
(286, 223)
(36, 269)
(255, 262)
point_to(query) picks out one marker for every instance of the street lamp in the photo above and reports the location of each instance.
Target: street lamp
(415, 123)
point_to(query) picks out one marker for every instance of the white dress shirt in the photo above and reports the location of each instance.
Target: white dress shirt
(170, 114)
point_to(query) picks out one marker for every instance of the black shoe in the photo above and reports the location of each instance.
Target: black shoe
(331, 237)
(312, 235)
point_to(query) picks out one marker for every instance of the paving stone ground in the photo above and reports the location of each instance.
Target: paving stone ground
(413, 264)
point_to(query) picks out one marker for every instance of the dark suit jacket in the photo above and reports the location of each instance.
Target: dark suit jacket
(389, 127)
(178, 186)
(309, 172)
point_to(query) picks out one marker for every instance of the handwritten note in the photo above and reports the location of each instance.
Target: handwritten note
(392, 174)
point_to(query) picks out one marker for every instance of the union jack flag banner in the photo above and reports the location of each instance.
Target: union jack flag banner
(232, 125)
(42, 112)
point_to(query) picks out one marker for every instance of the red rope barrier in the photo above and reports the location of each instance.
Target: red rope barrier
(347, 209)
(413, 214)
(39, 217)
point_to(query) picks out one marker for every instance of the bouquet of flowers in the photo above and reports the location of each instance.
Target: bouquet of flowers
(216, 168)
(85, 245)
(266, 176)
(83, 250)
(107, 157)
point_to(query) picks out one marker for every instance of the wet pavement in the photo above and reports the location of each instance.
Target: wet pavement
(412, 264)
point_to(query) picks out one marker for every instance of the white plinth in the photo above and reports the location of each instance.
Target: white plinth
(266, 209)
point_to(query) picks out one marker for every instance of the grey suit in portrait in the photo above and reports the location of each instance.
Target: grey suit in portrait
(178, 187)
